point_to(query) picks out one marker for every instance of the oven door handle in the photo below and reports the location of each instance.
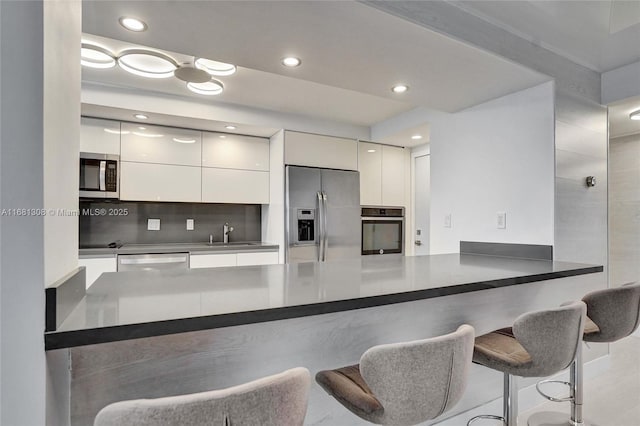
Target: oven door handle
(383, 219)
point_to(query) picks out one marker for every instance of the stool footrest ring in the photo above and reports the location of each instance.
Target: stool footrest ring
(549, 397)
(486, 416)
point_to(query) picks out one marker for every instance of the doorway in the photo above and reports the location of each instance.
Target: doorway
(422, 203)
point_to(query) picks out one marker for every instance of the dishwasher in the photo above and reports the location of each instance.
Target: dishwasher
(153, 262)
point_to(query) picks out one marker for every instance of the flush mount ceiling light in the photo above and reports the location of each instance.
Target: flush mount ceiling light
(399, 88)
(210, 88)
(371, 150)
(147, 63)
(94, 56)
(416, 137)
(132, 24)
(230, 127)
(291, 61)
(635, 115)
(191, 74)
(140, 116)
(215, 68)
(184, 140)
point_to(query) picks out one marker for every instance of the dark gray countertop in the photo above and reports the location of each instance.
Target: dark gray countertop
(128, 305)
(199, 248)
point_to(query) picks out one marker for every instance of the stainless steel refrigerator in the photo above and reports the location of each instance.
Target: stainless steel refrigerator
(323, 214)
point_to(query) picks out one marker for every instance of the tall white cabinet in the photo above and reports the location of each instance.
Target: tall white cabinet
(382, 174)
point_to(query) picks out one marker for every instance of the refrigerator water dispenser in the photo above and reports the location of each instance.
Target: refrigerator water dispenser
(306, 225)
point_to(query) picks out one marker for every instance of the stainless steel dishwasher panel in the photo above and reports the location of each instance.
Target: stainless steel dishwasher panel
(152, 262)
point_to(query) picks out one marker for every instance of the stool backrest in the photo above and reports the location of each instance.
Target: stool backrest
(551, 337)
(279, 400)
(616, 312)
(419, 380)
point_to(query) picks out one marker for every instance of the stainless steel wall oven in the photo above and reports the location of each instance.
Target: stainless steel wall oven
(382, 230)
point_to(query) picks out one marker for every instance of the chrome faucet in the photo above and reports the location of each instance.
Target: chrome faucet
(226, 231)
(210, 238)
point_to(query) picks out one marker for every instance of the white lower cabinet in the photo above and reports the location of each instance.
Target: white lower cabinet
(262, 258)
(212, 260)
(234, 186)
(159, 182)
(96, 266)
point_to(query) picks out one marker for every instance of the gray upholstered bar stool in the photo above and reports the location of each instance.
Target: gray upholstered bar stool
(404, 383)
(538, 344)
(612, 314)
(278, 400)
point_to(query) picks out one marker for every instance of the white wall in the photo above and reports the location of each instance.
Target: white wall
(180, 107)
(22, 360)
(494, 157)
(273, 214)
(621, 83)
(62, 33)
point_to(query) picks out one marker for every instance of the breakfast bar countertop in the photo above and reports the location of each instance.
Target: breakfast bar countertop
(129, 305)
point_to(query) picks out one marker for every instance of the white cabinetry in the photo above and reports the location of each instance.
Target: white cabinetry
(160, 145)
(234, 186)
(94, 267)
(259, 258)
(232, 259)
(99, 136)
(235, 151)
(382, 174)
(159, 182)
(306, 149)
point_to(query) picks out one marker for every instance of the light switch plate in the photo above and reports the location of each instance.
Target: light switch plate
(501, 220)
(189, 224)
(153, 224)
(447, 220)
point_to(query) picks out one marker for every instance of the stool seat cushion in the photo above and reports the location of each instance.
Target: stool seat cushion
(347, 386)
(500, 348)
(590, 327)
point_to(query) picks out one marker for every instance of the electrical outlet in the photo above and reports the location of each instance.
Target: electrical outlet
(447, 220)
(190, 224)
(501, 220)
(153, 224)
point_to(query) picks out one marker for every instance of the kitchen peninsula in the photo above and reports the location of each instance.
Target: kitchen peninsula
(192, 330)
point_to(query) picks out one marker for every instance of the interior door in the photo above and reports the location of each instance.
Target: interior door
(422, 187)
(342, 189)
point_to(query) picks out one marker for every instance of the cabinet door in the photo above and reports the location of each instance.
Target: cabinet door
(234, 186)
(260, 258)
(393, 176)
(235, 151)
(306, 149)
(212, 260)
(96, 266)
(159, 144)
(159, 182)
(99, 136)
(370, 168)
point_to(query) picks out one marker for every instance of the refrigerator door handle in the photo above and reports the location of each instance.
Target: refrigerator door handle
(320, 227)
(325, 233)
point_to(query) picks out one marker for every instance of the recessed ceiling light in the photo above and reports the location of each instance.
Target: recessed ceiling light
(291, 61)
(147, 63)
(222, 137)
(184, 140)
(210, 88)
(132, 24)
(215, 67)
(140, 116)
(142, 128)
(635, 115)
(371, 150)
(230, 127)
(399, 88)
(94, 56)
(416, 137)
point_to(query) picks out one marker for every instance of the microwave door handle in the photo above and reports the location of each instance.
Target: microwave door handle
(320, 228)
(103, 172)
(325, 230)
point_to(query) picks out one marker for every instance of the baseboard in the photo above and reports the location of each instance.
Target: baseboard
(528, 397)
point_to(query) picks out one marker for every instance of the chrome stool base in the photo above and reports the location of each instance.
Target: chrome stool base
(486, 417)
(553, 418)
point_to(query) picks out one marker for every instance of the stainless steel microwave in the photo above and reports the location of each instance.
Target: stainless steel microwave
(99, 175)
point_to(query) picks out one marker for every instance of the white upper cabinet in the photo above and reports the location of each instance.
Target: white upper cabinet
(161, 145)
(235, 151)
(99, 136)
(370, 168)
(234, 186)
(394, 162)
(306, 149)
(159, 182)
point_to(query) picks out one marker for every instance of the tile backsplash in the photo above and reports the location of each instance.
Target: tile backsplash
(102, 222)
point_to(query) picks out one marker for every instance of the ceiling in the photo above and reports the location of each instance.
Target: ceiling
(599, 34)
(619, 122)
(352, 55)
